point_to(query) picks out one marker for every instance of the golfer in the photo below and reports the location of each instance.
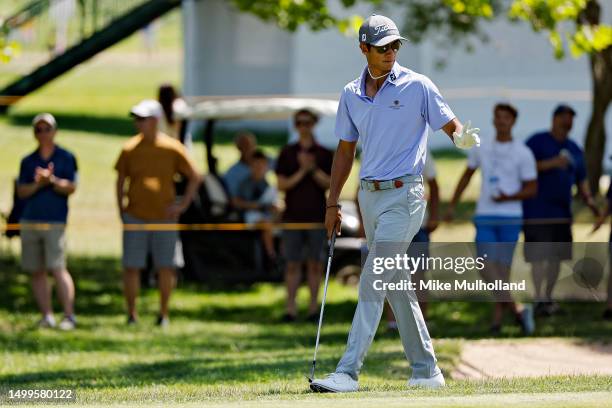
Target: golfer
(389, 108)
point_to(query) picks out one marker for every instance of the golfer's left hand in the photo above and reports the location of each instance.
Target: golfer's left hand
(468, 137)
(333, 219)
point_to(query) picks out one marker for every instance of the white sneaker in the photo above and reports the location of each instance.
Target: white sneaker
(335, 382)
(436, 381)
(163, 322)
(67, 323)
(47, 322)
(527, 322)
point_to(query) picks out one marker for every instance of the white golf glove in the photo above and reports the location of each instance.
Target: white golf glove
(468, 137)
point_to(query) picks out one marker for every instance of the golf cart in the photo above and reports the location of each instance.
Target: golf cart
(220, 249)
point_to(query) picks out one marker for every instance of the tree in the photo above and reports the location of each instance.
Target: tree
(460, 21)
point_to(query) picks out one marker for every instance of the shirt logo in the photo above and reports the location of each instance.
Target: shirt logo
(381, 28)
(396, 105)
(392, 77)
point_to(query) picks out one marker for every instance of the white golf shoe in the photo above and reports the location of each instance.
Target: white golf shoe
(335, 382)
(436, 381)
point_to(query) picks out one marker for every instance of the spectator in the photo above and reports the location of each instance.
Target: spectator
(509, 176)
(607, 314)
(247, 145)
(429, 225)
(149, 162)
(303, 170)
(171, 104)
(61, 12)
(257, 199)
(548, 216)
(47, 177)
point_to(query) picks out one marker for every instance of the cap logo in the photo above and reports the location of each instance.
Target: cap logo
(363, 37)
(380, 28)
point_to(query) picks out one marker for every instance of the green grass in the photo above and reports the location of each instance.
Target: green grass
(227, 345)
(224, 347)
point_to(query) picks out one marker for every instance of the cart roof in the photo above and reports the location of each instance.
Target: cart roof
(264, 108)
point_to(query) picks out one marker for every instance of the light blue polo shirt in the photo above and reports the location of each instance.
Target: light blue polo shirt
(392, 126)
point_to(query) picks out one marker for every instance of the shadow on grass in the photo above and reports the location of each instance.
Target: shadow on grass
(201, 371)
(108, 125)
(97, 282)
(124, 126)
(99, 296)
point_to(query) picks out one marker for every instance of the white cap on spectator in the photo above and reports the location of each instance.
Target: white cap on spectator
(148, 108)
(45, 117)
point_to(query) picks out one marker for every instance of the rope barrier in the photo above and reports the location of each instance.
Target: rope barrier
(237, 226)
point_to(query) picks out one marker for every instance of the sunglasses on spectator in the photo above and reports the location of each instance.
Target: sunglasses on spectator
(304, 122)
(395, 46)
(45, 129)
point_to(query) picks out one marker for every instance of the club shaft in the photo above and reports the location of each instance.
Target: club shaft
(329, 261)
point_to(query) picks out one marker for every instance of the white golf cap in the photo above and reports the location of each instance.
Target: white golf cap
(148, 108)
(45, 117)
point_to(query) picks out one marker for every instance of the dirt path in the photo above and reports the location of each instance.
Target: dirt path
(532, 358)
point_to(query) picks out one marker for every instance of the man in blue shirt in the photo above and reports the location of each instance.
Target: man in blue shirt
(388, 108)
(548, 216)
(240, 171)
(46, 178)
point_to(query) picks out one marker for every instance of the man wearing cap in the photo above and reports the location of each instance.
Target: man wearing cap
(548, 216)
(149, 162)
(46, 178)
(388, 107)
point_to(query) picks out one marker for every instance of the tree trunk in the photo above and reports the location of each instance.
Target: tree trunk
(601, 73)
(595, 144)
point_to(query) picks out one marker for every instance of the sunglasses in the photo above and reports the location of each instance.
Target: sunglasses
(45, 129)
(395, 46)
(304, 123)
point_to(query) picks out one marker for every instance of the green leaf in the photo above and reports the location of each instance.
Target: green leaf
(555, 40)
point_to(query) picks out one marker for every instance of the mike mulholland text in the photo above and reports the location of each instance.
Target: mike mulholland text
(436, 285)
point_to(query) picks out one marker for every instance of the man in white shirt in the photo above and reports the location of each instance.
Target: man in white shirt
(509, 175)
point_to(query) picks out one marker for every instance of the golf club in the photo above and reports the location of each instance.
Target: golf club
(330, 254)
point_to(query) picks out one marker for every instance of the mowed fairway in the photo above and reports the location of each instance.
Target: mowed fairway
(223, 347)
(228, 345)
(411, 399)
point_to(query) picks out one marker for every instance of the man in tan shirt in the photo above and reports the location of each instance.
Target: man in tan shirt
(149, 161)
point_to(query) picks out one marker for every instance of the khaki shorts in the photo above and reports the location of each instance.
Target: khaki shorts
(43, 248)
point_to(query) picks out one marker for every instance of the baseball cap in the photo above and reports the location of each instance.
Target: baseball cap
(379, 30)
(148, 108)
(563, 108)
(45, 117)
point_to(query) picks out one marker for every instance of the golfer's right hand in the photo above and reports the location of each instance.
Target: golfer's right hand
(468, 137)
(333, 219)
